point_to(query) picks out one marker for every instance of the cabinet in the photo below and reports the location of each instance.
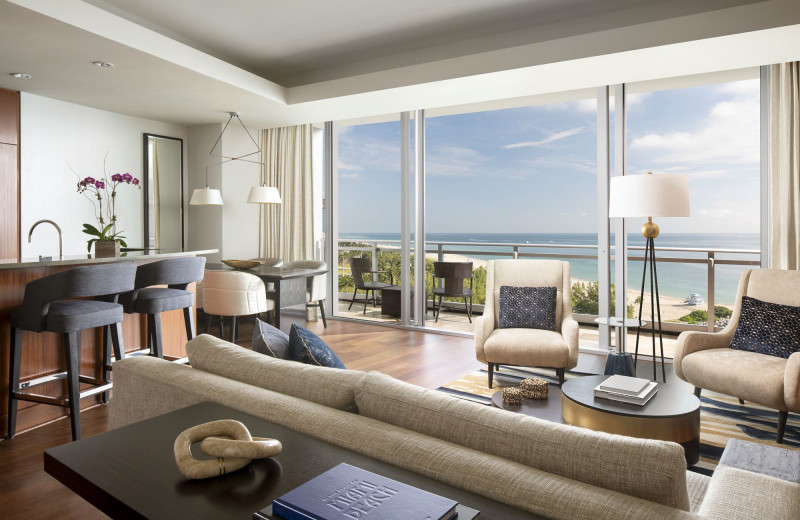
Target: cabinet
(9, 174)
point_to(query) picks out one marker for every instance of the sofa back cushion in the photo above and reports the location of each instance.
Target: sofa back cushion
(648, 469)
(327, 386)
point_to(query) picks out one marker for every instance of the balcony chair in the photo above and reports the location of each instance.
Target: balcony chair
(532, 347)
(706, 360)
(233, 294)
(453, 274)
(46, 308)
(315, 285)
(176, 274)
(360, 266)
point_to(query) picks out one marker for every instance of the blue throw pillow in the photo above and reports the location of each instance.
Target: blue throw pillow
(270, 341)
(306, 347)
(528, 307)
(767, 328)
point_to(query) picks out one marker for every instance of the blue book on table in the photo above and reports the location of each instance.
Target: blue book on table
(350, 493)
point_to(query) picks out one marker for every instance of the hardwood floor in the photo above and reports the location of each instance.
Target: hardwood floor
(429, 360)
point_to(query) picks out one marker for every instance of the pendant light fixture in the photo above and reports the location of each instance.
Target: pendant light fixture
(206, 196)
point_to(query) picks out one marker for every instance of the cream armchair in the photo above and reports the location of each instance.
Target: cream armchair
(527, 347)
(706, 360)
(233, 294)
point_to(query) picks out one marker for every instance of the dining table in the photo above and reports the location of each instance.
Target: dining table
(285, 286)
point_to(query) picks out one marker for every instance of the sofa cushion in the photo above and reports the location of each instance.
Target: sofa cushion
(767, 328)
(306, 347)
(329, 387)
(750, 376)
(513, 346)
(270, 341)
(528, 307)
(648, 469)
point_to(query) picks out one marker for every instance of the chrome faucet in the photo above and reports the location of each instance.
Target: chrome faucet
(30, 234)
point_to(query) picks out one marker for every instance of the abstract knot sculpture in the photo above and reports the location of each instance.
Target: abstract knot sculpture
(228, 441)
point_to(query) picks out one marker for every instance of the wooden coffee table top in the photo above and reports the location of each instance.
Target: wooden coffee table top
(548, 409)
(130, 472)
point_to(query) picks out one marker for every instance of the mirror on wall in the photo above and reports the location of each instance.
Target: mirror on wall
(163, 186)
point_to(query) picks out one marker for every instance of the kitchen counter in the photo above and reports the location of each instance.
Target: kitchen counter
(136, 254)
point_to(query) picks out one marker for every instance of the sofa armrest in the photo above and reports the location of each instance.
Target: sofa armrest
(738, 494)
(689, 342)
(483, 328)
(791, 382)
(570, 332)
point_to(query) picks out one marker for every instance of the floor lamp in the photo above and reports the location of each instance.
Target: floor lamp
(650, 196)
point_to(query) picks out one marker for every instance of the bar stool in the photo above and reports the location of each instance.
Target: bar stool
(45, 308)
(315, 285)
(233, 294)
(176, 274)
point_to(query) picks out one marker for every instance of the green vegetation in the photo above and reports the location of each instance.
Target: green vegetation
(699, 316)
(586, 298)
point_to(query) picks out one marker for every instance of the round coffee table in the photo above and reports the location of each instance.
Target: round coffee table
(673, 414)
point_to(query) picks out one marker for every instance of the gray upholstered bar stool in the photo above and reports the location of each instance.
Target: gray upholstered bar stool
(176, 274)
(45, 308)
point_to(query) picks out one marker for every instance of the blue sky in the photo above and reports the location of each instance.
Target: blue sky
(533, 169)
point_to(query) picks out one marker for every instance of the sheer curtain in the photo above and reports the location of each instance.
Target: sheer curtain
(286, 230)
(785, 165)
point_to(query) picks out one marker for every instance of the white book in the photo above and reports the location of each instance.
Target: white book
(640, 399)
(624, 385)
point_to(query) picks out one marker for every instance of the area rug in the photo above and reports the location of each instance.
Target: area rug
(721, 417)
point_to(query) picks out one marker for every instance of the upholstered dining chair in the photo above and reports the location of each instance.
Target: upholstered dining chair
(452, 274)
(517, 291)
(315, 285)
(231, 294)
(360, 266)
(762, 364)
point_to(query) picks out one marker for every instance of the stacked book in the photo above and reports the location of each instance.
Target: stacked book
(350, 493)
(631, 390)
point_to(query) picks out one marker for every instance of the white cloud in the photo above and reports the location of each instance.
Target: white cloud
(351, 175)
(728, 134)
(455, 161)
(549, 139)
(343, 166)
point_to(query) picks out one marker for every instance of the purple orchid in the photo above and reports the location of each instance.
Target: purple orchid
(117, 177)
(127, 177)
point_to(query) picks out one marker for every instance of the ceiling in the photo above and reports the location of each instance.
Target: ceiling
(285, 62)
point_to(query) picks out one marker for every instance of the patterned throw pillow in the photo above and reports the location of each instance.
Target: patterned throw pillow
(767, 328)
(306, 347)
(270, 341)
(528, 307)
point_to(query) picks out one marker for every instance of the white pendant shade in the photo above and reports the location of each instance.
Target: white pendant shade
(206, 197)
(649, 196)
(264, 195)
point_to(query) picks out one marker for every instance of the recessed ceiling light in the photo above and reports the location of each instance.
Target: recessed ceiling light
(103, 64)
(20, 75)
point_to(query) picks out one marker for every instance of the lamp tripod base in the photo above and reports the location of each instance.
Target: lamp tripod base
(619, 364)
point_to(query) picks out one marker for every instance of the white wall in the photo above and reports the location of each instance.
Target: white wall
(55, 136)
(204, 223)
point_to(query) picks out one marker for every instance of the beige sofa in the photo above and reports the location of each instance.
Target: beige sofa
(549, 469)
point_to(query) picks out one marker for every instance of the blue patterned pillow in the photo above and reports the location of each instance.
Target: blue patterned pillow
(270, 341)
(528, 307)
(767, 328)
(306, 347)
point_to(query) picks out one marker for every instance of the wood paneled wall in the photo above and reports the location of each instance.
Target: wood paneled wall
(9, 174)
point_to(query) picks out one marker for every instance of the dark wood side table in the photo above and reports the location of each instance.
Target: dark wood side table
(130, 472)
(390, 301)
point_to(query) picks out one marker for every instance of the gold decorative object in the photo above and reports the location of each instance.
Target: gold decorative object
(512, 396)
(228, 441)
(242, 264)
(534, 388)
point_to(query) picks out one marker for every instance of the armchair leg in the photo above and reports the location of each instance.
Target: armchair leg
(560, 374)
(782, 416)
(697, 391)
(741, 401)
(322, 311)
(491, 373)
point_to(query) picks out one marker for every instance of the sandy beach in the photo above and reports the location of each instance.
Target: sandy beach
(671, 308)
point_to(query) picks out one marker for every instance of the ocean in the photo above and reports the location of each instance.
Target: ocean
(675, 279)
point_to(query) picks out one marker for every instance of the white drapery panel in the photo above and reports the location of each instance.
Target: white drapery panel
(286, 230)
(785, 165)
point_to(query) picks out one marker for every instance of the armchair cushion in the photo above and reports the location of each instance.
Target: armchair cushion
(306, 347)
(270, 341)
(731, 372)
(767, 328)
(528, 307)
(513, 346)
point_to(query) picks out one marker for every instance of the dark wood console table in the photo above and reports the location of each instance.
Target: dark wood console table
(130, 472)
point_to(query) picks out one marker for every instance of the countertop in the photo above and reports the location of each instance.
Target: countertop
(90, 259)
